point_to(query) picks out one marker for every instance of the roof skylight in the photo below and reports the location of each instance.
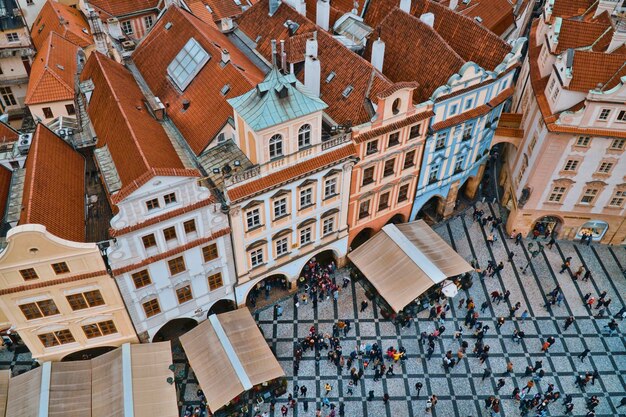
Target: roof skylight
(187, 63)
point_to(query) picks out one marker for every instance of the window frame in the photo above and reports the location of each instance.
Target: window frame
(305, 235)
(127, 27)
(403, 193)
(281, 246)
(149, 238)
(586, 141)
(151, 307)
(304, 136)
(184, 294)
(275, 146)
(253, 218)
(60, 337)
(210, 252)
(174, 265)
(557, 194)
(213, 279)
(256, 257)
(406, 165)
(371, 147)
(189, 226)
(169, 233)
(418, 128)
(396, 139)
(362, 214)
(330, 187)
(307, 194)
(169, 199)
(328, 225)
(140, 276)
(620, 142)
(29, 274)
(604, 115)
(60, 268)
(279, 207)
(383, 203)
(152, 204)
(386, 171)
(589, 196)
(368, 179)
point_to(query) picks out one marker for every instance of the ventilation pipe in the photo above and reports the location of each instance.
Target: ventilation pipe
(225, 56)
(283, 57)
(405, 6)
(428, 18)
(322, 17)
(378, 54)
(312, 68)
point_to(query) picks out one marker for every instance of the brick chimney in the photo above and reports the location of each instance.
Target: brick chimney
(312, 67)
(378, 54)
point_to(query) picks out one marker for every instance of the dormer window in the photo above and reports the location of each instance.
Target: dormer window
(152, 204)
(187, 64)
(169, 198)
(304, 136)
(604, 114)
(276, 146)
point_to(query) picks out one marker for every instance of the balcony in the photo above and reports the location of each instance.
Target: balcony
(13, 79)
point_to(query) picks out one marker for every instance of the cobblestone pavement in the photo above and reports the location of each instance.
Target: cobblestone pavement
(460, 390)
(17, 362)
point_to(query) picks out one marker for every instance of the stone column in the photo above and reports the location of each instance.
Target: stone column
(474, 182)
(445, 208)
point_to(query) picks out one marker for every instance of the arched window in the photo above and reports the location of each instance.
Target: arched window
(276, 146)
(304, 136)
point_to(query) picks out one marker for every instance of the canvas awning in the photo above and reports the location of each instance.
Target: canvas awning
(5, 374)
(403, 261)
(130, 381)
(229, 345)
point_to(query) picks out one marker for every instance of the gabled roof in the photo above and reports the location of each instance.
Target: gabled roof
(571, 8)
(577, 34)
(121, 8)
(340, 68)
(278, 99)
(593, 69)
(53, 71)
(208, 110)
(217, 9)
(64, 20)
(7, 133)
(54, 187)
(5, 186)
(138, 145)
(495, 15)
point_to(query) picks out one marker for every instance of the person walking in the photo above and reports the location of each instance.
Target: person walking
(584, 354)
(500, 384)
(418, 388)
(385, 398)
(551, 242)
(524, 315)
(486, 373)
(622, 403)
(565, 265)
(568, 322)
(509, 368)
(364, 305)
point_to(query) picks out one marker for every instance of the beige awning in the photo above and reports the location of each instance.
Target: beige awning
(153, 396)
(5, 374)
(24, 394)
(70, 389)
(404, 261)
(229, 345)
(107, 394)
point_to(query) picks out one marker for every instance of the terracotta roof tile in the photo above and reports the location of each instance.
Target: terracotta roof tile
(576, 34)
(52, 282)
(475, 112)
(198, 8)
(571, 8)
(120, 8)
(349, 69)
(371, 134)
(591, 69)
(53, 71)
(54, 186)
(137, 142)
(553, 127)
(7, 133)
(291, 173)
(496, 15)
(62, 19)
(172, 252)
(5, 185)
(337, 9)
(208, 111)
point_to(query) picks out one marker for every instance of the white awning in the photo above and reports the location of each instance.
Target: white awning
(229, 345)
(403, 261)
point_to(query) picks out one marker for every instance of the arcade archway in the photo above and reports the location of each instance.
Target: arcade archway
(222, 306)
(267, 291)
(361, 237)
(430, 211)
(396, 219)
(86, 354)
(547, 225)
(174, 328)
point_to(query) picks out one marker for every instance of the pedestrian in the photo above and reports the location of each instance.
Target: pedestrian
(545, 346)
(584, 354)
(328, 388)
(518, 239)
(509, 368)
(511, 255)
(551, 242)
(370, 395)
(622, 403)
(364, 305)
(538, 365)
(484, 306)
(418, 388)
(385, 398)
(500, 322)
(529, 371)
(590, 302)
(461, 302)
(565, 265)
(486, 373)
(284, 410)
(587, 275)
(305, 404)
(595, 375)
(303, 390)
(524, 315)
(500, 384)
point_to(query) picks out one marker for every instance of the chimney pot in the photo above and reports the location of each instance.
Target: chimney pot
(225, 56)
(322, 18)
(186, 104)
(405, 6)
(378, 54)
(428, 18)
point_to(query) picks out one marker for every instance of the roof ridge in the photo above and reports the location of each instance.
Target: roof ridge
(122, 110)
(608, 82)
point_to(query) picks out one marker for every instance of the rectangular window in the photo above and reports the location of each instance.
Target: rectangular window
(388, 169)
(441, 141)
(306, 197)
(604, 114)
(60, 268)
(184, 294)
(13, 37)
(531, 145)
(152, 204)
(394, 139)
(60, 337)
(84, 300)
(458, 165)
(169, 233)
(94, 298)
(368, 176)
(589, 196)
(452, 110)
(281, 246)
(30, 311)
(253, 218)
(555, 94)
(176, 265)
(605, 167)
(9, 99)
(330, 187)
(364, 209)
(47, 112)
(557, 194)
(403, 193)
(44, 308)
(187, 63)
(433, 174)
(415, 131)
(141, 278)
(102, 328)
(371, 147)
(583, 141)
(215, 280)
(148, 21)
(409, 159)
(571, 165)
(618, 199)
(280, 207)
(618, 144)
(151, 307)
(305, 236)
(169, 198)
(148, 241)
(621, 116)
(70, 110)
(328, 226)
(467, 131)
(383, 202)
(189, 226)
(28, 274)
(127, 27)
(209, 252)
(469, 103)
(256, 257)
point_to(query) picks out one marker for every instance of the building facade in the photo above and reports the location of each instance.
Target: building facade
(567, 174)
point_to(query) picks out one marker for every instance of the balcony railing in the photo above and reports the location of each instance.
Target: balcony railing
(242, 176)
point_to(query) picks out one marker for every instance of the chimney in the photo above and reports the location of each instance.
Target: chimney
(312, 68)
(186, 104)
(619, 36)
(323, 14)
(405, 6)
(225, 56)
(378, 54)
(428, 18)
(454, 4)
(274, 4)
(274, 53)
(283, 57)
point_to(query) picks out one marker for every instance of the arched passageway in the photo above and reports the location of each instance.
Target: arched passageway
(173, 329)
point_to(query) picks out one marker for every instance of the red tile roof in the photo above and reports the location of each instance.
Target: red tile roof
(349, 68)
(208, 111)
(591, 69)
(64, 20)
(576, 34)
(121, 8)
(291, 173)
(5, 185)
(219, 8)
(571, 8)
(139, 146)
(54, 186)
(7, 133)
(53, 72)
(371, 134)
(496, 15)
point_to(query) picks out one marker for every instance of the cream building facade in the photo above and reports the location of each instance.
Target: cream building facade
(58, 295)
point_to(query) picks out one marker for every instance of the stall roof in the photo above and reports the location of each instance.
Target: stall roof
(130, 381)
(229, 345)
(404, 261)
